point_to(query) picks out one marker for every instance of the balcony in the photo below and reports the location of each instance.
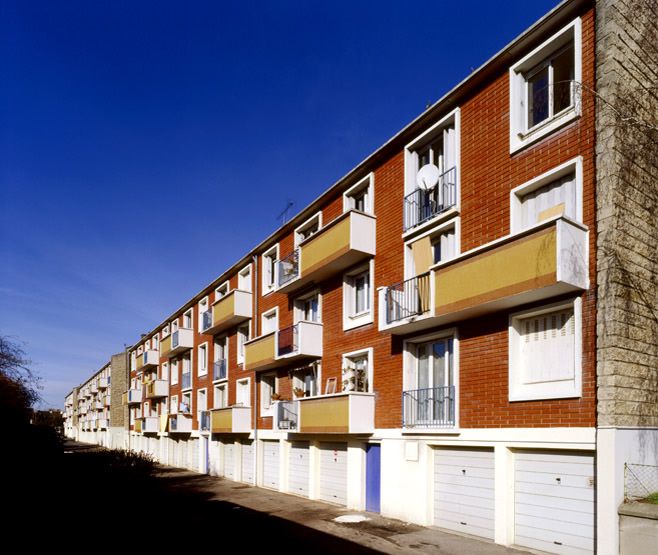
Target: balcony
(286, 416)
(300, 342)
(345, 241)
(148, 359)
(231, 420)
(180, 423)
(423, 205)
(180, 340)
(94, 386)
(103, 383)
(537, 264)
(429, 408)
(134, 396)
(219, 370)
(186, 380)
(341, 413)
(98, 405)
(150, 425)
(229, 311)
(156, 389)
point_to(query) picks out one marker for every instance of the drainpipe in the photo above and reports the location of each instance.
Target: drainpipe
(254, 259)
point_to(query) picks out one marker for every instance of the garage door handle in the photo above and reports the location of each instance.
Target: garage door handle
(463, 471)
(557, 543)
(463, 523)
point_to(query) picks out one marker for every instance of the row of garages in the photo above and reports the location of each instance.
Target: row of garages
(551, 493)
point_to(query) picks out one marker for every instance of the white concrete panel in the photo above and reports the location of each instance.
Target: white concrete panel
(298, 468)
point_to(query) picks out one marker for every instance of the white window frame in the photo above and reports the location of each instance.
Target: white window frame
(165, 331)
(298, 310)
(317, 217)
(156, 341)
(267, 410)
(297, 382)
(243, 381)
(368, 353)
(559, 389)
(220, 386)
(188, 394)
(188, 315)
(241, 278)
(173, 404)
(164, 371)
(203, 306)
(575, 165)
(270, 254)
(409, 364)
(240, 355)
(189, 353)
(174, 325)
(351, 321)
(202, 371)
(520, 136)
(368, 184)
(203, 390)
(222, 290)
(436, 230)
(216, 352)
(264, 316)
(174, 371)
(147, 345)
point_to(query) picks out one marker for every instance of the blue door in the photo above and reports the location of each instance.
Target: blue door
(373, 477)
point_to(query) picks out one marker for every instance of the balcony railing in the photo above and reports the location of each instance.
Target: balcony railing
(288, 267)
(429, 408)
(219, 370)
(204, 420)
(288, 340)
(408, 298)
(186, 380)
(422, 205)
(287, 415)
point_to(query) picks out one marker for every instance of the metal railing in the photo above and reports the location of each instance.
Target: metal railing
(206, 320)
(186, 380)
(286, 415)
(219, 369)
(288, 267)
(204, 420)
(422, 205)
(429, 408)
(288, 340)
(408, 298)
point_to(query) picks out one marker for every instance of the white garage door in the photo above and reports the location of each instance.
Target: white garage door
(554, 502)
(464, 491)
(298, 466)
(271, 464)
(193, 455)
(248, 461)
(229, 460)
(333, 472)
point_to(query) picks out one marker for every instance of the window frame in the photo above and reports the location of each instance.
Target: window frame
(265, 315)
(354, 320)
(437, 229)
(220, 386)
(270, 254)
(202, 346)
(218, 291)
(544, 390)
(520, 135)
(269, 409)
(366, 183)
(246, 381)
(298, 309)
(241, 278)
(204, 302)
(367, 352)
(317, 217)
(174, 371)
(240, 348)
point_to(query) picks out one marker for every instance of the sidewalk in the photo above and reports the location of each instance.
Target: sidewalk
(381, 534)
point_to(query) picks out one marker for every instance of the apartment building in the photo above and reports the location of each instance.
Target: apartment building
(422, 340)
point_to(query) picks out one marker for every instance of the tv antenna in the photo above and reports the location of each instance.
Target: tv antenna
(283, 215)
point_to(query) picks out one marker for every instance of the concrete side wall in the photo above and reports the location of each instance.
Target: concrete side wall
(118, 386)
(639, 531)
(627, 204)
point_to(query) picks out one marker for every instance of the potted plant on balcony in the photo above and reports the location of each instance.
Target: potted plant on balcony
(354, 379)
(299, 392)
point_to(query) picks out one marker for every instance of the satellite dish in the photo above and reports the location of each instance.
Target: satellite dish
(428, 176)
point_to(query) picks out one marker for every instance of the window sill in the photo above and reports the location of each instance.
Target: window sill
(352, 322)
(520, 140)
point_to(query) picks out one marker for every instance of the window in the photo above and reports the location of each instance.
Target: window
(220, 365)
(133, 361)
(173, 408)
(187, 319)
(156, 342)
(270, 321)
(431, 173)
(267, 389)
(221, 291)
(308, 228)
(201, 400)
(359, 197)
(305, 382)
(307, 308)
(203, 308)
(357, 297)
(165, 331)
(543, 87)
(174, 326)
(186, 403)
(220, 397)
(174, 371)
(557, 192)
(244, 279)
(164, 371)
(147, 345)
(357, 371)
(269, 264)
(242, 393)
(545, 352)
(243, 337)
(203, 360)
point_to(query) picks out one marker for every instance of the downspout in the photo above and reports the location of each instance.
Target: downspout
(254, 259)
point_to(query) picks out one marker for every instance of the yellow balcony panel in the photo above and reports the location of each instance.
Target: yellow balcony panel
(148, 359)
(178, 341)
(156, 389)
(150, 425)
(260, 353)
(231, 420)
(137, 426)
(293, 344)
(540, 263)
(347, 240)
(228, 312)
(180, 423)
(342, 413)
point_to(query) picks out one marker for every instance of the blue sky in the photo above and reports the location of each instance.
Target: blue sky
(145, 146)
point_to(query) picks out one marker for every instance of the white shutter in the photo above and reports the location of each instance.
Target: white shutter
(449, 149)
(559, 195)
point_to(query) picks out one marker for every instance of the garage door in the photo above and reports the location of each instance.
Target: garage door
(298, 466)
(333, 472)
(193, 455)
(464, 491)
(229, 460)
(271, 464)
(554, 501)
(248, 461)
